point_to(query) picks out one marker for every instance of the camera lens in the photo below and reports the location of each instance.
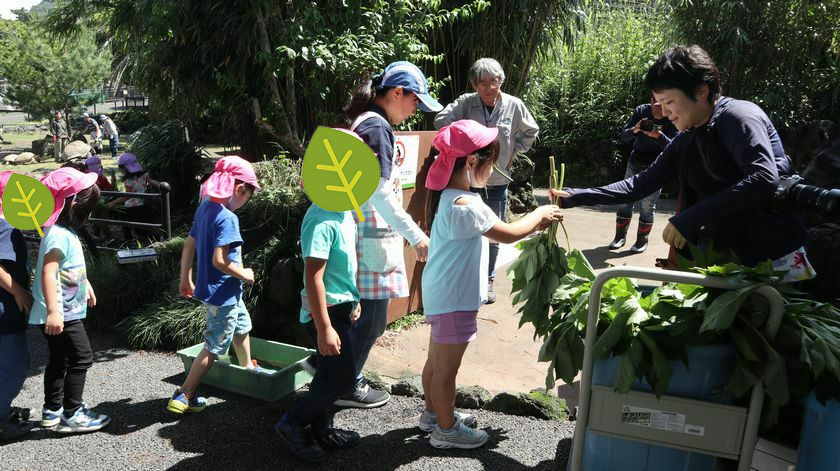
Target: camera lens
(825, 201)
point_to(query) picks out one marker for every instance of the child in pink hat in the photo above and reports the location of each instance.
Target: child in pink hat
(216, 243)
(62, 295)
(455, 278)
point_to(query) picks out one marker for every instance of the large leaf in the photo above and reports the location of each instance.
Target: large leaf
(627, 367)
(614, 333)
(722, 311)
(661, 368)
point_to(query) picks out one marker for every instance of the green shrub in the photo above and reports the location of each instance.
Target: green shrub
(171, 324)
(129, 121)
(583, 97)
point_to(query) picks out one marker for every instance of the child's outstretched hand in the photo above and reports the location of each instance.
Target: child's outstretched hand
(91, 296)
(329, 343)
(247, 275)
(548, 214)
(356, 313)
(54, 324)
(23, 300)
(186, 287)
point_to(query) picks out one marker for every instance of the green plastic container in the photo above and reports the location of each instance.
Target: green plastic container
(228, 375)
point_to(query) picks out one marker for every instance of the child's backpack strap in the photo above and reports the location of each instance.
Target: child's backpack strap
(364, 117)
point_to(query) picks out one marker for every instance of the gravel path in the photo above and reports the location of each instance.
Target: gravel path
(235, 432)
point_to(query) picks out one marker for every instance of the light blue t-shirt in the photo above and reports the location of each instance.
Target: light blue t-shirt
(71, 278)
(330, 236)
(216, 226)
(455, 277)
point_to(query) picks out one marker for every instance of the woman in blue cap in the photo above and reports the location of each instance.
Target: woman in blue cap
(389, 98)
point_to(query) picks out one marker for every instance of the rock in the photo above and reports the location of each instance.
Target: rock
(411, 386)
(522, 199)
(375, 381)
(39, 144)
(10, 159)
(472, 397)
(75, 149)
(25, 158)
(521, 170)
(538, 403)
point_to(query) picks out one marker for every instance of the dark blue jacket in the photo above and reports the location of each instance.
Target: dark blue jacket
(728, 170)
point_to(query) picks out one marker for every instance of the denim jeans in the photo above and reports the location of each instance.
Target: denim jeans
(335, 376)
(370, 326)
(496, 198)
(114, 142)
(14, 366)
(645, 206)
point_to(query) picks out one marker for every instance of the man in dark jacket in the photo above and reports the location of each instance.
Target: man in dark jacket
(728, 160)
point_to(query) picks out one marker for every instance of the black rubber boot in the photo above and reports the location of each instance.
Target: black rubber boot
(621, 225)
(642, 237)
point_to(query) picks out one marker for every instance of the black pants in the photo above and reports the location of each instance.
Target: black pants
(335, 377)
(370, 326)
(70, 358)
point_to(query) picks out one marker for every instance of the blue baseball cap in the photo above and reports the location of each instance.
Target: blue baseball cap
(409, 77)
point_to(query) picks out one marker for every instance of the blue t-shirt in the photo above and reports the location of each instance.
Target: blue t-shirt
(330, 236)
(13, 259)
(71, 278)
(216, 226)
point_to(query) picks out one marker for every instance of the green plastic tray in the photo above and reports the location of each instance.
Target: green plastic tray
(285, 359)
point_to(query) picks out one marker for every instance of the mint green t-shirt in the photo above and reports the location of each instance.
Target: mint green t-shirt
(71, 278)
(330, 236)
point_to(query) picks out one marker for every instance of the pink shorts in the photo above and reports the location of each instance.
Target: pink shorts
(453, 327)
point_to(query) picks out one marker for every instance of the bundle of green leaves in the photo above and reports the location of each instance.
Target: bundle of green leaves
(648, 331)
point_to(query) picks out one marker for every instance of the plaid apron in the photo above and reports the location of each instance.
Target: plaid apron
(379, 248)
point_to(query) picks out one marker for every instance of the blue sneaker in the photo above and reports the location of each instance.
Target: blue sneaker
(181, 404)
(51, 418)
(83, 420)
(299, 441)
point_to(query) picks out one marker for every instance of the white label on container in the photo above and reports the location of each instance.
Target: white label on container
(657, 419)
(695, 430)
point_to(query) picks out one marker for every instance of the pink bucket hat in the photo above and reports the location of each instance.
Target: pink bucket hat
(457, 140)
(64, 183)
(223, 180)
(94, 165)
(129, 161)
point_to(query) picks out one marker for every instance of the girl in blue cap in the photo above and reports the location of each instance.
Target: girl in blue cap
(389, 98)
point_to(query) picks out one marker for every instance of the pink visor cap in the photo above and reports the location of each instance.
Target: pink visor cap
(223, 180)
(64, 183)
(129, 161)
(457, 140)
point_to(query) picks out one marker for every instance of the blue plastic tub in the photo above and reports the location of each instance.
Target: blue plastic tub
(708, 379)
(818, 444)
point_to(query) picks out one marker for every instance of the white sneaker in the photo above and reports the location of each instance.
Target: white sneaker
(84, 420)
(428, 420)
(51, 418)
(459, 436)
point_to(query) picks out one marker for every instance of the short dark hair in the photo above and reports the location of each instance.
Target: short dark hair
(685, 68)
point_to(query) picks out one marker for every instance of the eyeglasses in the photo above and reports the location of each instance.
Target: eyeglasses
(489, 83)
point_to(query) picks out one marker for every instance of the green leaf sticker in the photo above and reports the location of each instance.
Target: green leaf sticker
(27, 203)
(339, 184)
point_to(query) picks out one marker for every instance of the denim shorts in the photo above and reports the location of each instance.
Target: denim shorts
(454, 327)
(223, 322)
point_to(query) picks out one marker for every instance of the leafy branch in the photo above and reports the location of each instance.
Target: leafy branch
(338, 167)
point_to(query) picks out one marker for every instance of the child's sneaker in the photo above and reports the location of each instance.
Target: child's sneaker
(21, 413)
(363, 397)
(337, 439)
(260, 370)
(51, 418)
(428, 420)
(181, 404)
(83, 420)
(14, 427)
(459, 436)
(299, 441)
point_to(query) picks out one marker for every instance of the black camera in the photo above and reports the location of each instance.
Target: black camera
(792, 190)
(649, 126)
